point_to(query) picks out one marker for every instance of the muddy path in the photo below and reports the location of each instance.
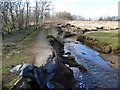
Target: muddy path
(42, 48)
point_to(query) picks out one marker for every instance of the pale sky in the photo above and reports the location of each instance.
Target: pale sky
(88, 8)
(85, 8)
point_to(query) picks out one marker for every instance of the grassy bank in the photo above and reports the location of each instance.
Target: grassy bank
(106, 41)
(16, 53)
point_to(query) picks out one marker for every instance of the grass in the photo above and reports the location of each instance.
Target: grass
(105, 39)
(21, 54)
(12, 82)
(14, 59)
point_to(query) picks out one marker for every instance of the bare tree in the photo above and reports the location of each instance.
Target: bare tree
(16, 15)
(45, 7)
(4, 6)
(41, 9)
(36, 14)
(27, 16)
(12, 15)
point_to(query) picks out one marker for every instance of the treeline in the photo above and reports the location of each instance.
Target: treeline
(68, 16)
(19, 15)
(65, 15)
(112, 18)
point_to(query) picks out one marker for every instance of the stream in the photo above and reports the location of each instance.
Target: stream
(100, 73)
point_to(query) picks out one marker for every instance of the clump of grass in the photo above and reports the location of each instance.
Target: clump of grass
(107, 41)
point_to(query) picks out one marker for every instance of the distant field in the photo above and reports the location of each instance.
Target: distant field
(94, 24)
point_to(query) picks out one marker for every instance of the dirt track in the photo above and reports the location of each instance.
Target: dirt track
(42, 49)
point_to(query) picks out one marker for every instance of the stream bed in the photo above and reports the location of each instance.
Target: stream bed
(100, 73)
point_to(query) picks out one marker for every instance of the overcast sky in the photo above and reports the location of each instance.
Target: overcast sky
(88, 8)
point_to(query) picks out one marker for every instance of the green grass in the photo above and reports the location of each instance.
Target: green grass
(14, 59)
(17, 58)
(20, 57)
(10, 84)
(104, 39)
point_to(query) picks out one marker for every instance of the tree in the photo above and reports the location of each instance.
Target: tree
(27, 16)
(15, 16)
(109, 18)
(12, 15)
(44, 8)
(64, 15)
(40, 9)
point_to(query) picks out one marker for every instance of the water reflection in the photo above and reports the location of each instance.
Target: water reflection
(101, 73)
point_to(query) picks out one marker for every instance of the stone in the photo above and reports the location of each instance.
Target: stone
(64, 76)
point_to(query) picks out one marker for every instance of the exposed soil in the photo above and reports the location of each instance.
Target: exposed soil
(93, 44)
(113, 59)
(41, 48)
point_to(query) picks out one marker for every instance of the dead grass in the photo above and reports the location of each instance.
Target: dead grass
(94, 24)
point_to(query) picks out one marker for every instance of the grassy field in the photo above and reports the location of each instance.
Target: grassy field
(20, 52)
(105, 40)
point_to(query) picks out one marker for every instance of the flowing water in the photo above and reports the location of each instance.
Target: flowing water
(101, 74)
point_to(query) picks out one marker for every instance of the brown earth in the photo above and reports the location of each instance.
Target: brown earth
(41, 48)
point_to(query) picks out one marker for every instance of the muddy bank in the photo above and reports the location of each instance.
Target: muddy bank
(93, 43)
(63, 74)
(106, 52)
(113, 59)
(101, 73)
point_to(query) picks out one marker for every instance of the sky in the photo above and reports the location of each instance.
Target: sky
(85, 8)
(88, 8)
